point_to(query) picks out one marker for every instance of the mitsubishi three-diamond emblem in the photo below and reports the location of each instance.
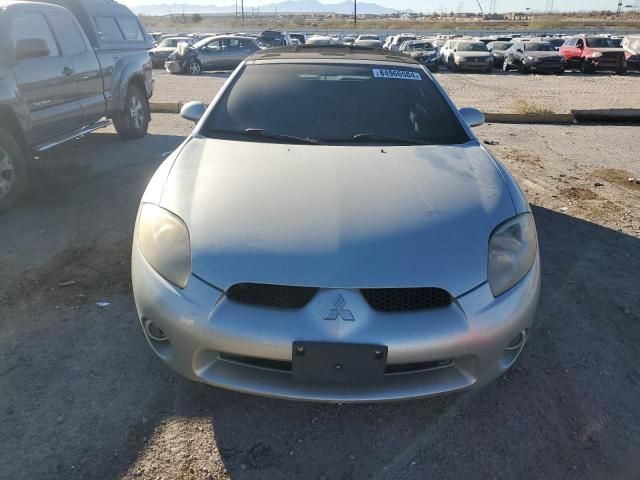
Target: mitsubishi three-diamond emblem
(339, 310)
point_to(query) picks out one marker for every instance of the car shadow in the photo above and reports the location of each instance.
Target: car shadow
(92, 400)
(567, 398)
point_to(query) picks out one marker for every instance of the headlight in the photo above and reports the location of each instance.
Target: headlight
(458, 58)
(596, 54)
(512, 251)
(164, 242)
(531, 59)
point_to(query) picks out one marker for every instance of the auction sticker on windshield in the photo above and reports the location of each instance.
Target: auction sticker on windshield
(396, 74)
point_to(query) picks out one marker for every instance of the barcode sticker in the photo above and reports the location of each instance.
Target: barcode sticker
(396, 74)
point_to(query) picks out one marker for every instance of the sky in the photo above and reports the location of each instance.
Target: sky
(430, 6)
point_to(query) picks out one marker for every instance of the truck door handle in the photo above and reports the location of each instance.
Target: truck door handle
(67, 71)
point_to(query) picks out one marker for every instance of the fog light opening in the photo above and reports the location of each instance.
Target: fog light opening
(155, 332)
(518, 341)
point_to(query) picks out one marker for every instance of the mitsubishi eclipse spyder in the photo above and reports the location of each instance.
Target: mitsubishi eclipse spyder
(332, 230)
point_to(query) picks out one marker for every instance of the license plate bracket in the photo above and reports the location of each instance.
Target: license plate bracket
(339, 363)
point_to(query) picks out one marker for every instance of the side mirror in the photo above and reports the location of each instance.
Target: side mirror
(31, 48)
(472, 116)
(193, 111)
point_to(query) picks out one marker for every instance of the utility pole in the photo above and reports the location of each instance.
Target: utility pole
(236, 9)
(355, 14)
(619, 9)
(242, 7)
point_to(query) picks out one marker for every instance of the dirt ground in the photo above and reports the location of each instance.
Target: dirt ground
(82, 396)
(498, 92)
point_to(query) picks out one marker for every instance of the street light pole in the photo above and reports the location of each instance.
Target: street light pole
(242, 8)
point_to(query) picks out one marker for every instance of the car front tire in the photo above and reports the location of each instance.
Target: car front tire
(505, 65)
(195, 68)
(133, 121)
(13, 171)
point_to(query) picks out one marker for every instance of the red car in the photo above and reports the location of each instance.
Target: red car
(591, 53)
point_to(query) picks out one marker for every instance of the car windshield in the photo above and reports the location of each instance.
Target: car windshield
(368, 37)
(601, 42)
(172, 42)
(555, 42)
(538, 47)
(335, 104)
(501, 45)
(420, 47)
(472, 47)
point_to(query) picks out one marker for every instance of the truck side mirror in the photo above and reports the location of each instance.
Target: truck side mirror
(31, 48)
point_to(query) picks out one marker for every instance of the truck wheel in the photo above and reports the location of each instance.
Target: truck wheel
(133, 121)
(13, 171)
(585, 67)
(195, 68)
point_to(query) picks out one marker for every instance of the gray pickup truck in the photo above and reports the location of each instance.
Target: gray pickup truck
(66, 70)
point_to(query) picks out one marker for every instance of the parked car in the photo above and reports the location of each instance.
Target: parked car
(165, 48)
(65, 72)
(423, 51)
(301, 37)
(368, 43)
(447, 50)
(398, 40)
(367, 36)
(389, 255)
(498, 49)
(273, 38)
(555, 42)
(593, 53)
(468, 55)
(215, 53)
(321, 40)
(533, 56)
(349, 39)
(631, 45)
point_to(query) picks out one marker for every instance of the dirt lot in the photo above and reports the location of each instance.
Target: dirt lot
(83, 397)
(498, 92)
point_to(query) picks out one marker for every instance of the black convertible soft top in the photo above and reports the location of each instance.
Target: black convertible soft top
(336, 51)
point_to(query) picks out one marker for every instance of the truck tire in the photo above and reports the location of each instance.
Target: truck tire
(13, 171)
(133, 121)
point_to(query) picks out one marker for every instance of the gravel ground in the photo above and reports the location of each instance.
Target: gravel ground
(83, 396)
(497, 92)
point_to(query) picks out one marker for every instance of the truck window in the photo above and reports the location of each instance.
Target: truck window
(108, 30)
(33, 25)
(68, 33)
(130, 29)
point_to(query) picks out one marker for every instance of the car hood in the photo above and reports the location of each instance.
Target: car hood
(535, 54)
(473, 54)
(604, 50)
(163, 50)
(423, 53)
(338, 216)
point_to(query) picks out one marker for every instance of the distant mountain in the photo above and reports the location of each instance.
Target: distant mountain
(287, 6)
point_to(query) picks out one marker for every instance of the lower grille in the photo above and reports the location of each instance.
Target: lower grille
(277, 296)
(285, 366)
(406, 299)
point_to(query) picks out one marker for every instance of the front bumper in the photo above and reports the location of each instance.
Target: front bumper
(475, 65)
(545, 66)
(208, 335)
(606, 63)
(173, 66)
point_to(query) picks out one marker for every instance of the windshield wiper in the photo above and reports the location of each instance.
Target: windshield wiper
(374, 137)
(261, 133)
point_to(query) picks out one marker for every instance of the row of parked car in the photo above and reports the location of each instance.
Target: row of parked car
(193, 53)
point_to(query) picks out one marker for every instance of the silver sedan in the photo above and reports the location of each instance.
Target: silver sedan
(322, 235)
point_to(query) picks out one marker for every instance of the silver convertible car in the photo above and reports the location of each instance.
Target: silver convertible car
(332, 230)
